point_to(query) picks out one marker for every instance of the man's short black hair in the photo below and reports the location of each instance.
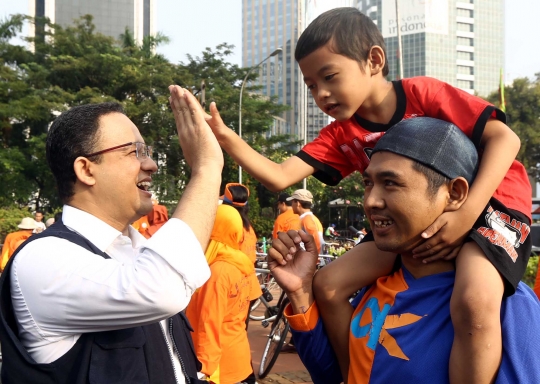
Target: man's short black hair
(73, 134)
(435, 179)
(352, 33)
(304, 204)
(282, 198)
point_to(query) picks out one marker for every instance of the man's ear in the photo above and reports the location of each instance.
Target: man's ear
(376, 59)
(84, 169)
(458, 190)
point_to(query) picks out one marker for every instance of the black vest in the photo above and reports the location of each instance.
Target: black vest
(131, 355)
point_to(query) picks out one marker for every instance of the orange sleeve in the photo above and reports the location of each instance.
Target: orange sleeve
(277, 226)
(303, 322)
(4, 257)
(6, 251)
(206, 313)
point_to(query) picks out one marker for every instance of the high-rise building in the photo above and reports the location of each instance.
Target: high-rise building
(111, 17)
(270, 24)
(460, 42)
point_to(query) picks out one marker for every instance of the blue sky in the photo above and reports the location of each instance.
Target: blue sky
(195, 25)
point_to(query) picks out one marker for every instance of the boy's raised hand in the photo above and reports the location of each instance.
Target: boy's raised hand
(445, 236)
(216, 123)
(292, 267)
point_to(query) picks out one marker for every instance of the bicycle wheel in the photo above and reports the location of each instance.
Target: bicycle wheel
(253, 316)
(277, 337)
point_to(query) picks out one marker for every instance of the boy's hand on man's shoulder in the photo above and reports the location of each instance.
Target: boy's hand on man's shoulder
(444, 237)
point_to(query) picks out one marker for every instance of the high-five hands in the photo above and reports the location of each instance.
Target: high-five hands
(199, 145)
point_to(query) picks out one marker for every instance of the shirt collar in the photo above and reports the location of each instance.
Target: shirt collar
(306, 214)
(99, 233)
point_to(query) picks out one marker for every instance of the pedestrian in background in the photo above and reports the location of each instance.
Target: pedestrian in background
(14, 239)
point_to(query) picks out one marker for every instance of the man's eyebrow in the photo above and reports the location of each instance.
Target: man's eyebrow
(382, 174)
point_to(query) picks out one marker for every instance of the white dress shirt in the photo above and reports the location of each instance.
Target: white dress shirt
(60, 290)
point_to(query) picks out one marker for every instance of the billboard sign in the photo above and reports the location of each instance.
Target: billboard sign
(415, 16)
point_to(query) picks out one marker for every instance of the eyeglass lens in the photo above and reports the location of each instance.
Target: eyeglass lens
(143, 150)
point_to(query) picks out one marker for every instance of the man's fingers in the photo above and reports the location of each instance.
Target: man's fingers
(275, 255)
(195, 108)
(309, 242)
(290, 240)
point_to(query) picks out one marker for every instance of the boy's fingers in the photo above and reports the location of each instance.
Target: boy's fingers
(437, 256)
(433, 229)
(428, 249)
(453, 254)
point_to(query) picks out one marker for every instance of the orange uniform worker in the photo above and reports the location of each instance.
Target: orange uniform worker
(287, 219)
(149, 224)
(13, 240)
(302, 200)
(218, 310)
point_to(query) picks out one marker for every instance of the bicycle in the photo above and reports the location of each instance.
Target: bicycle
(276, 338)
(280, 325)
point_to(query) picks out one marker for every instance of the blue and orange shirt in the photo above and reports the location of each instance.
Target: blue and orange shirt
(401, 331)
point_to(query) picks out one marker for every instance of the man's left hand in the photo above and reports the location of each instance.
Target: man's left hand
(444, 237)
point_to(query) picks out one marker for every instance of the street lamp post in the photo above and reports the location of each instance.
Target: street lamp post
(276, 52)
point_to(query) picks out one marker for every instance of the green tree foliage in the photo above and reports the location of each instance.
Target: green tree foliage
(523, 111)
(75, 65)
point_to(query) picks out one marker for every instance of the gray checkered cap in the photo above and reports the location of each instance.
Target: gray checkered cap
(435, 143)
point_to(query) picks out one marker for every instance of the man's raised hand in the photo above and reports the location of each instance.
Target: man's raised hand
(292, 267)
(198, 143)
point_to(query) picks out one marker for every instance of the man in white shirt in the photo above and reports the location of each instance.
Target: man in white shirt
(38, 218)
(88, 309)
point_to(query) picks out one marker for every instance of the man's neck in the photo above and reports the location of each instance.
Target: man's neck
(419, 269)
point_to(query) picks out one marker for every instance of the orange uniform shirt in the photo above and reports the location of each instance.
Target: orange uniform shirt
(11, 243)
(285, 221)
(311, 224)
(218, 310)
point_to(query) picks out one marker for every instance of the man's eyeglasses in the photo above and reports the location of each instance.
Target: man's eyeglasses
(142, 151)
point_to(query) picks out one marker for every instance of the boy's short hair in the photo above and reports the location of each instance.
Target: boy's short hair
(353, 35)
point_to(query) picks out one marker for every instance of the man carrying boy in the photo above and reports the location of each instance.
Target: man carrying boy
(342, 57)
(401, 329)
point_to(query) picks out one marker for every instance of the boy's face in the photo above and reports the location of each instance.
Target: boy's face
(339, 85)
(397, 202)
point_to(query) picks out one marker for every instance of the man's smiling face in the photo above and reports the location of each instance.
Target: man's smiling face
(397, 202)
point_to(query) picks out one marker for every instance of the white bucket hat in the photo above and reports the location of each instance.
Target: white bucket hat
(27, 223)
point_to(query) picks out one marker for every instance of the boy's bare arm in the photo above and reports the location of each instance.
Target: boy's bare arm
(273, 176)
(336, 282)
(500, 145)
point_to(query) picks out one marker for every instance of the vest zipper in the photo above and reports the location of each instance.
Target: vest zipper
(175, 348)
(169, 349)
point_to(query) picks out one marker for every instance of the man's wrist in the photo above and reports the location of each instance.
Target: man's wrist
(301, 299)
